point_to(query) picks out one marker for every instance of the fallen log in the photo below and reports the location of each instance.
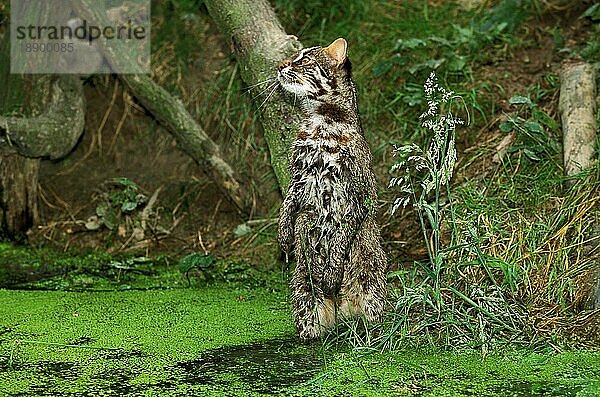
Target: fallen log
(577, 108)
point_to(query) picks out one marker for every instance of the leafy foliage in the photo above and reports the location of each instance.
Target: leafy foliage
(196, 261)
(122, 197)
(507, 16)
(441, 300)
(437, 162)
(533, 129)
(593, 12)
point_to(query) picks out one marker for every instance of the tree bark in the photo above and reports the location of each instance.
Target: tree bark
(54, 132)
(577, 107)
(259, 43)
(170, 112)
(49, 118)
(18, 200)
(18, 175)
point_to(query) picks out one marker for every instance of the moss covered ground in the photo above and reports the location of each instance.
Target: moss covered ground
(227, 332)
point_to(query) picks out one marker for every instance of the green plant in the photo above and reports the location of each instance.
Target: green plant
(199, 262)
(463, 294)
(441, 300)
(424, 175)
(454, 50)
(591, 50)
(507, 16)
(532, 126)
(121, 197)
(593, 12)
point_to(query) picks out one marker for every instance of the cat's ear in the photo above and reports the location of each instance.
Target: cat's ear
(338, 51)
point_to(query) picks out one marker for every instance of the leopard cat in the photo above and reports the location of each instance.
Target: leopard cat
(328, 214)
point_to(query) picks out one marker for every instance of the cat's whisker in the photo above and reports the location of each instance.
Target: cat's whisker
(274, 84)
(267, 98)
(269, 80)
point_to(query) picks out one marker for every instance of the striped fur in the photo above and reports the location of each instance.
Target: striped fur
(328, 214)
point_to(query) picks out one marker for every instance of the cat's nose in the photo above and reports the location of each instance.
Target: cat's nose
(284, 64)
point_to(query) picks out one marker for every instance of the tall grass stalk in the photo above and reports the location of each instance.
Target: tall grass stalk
(423, 175)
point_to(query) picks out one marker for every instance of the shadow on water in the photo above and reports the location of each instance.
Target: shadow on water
(268, 367)
(537, 389)
(263, 367)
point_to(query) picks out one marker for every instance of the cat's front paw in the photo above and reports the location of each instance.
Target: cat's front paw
(332, 277)
(286, 246)
(285, 238)
(331, 282)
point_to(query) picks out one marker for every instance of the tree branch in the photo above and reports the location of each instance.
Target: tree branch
(170, 112)
(192, 139)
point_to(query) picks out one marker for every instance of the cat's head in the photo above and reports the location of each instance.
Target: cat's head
(316, 72)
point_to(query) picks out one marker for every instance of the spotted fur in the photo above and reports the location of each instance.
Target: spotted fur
(328, 214)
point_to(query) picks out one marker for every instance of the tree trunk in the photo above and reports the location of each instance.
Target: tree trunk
(43, 115)
(38, 132)
(170, 112)
(47, 130)
(18, 200)
(259, 43)
(18, 175)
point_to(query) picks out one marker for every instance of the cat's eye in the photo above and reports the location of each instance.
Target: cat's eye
(305, 61)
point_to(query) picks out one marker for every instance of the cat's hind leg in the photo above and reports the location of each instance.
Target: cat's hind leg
(314, 313)
(364, 289)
